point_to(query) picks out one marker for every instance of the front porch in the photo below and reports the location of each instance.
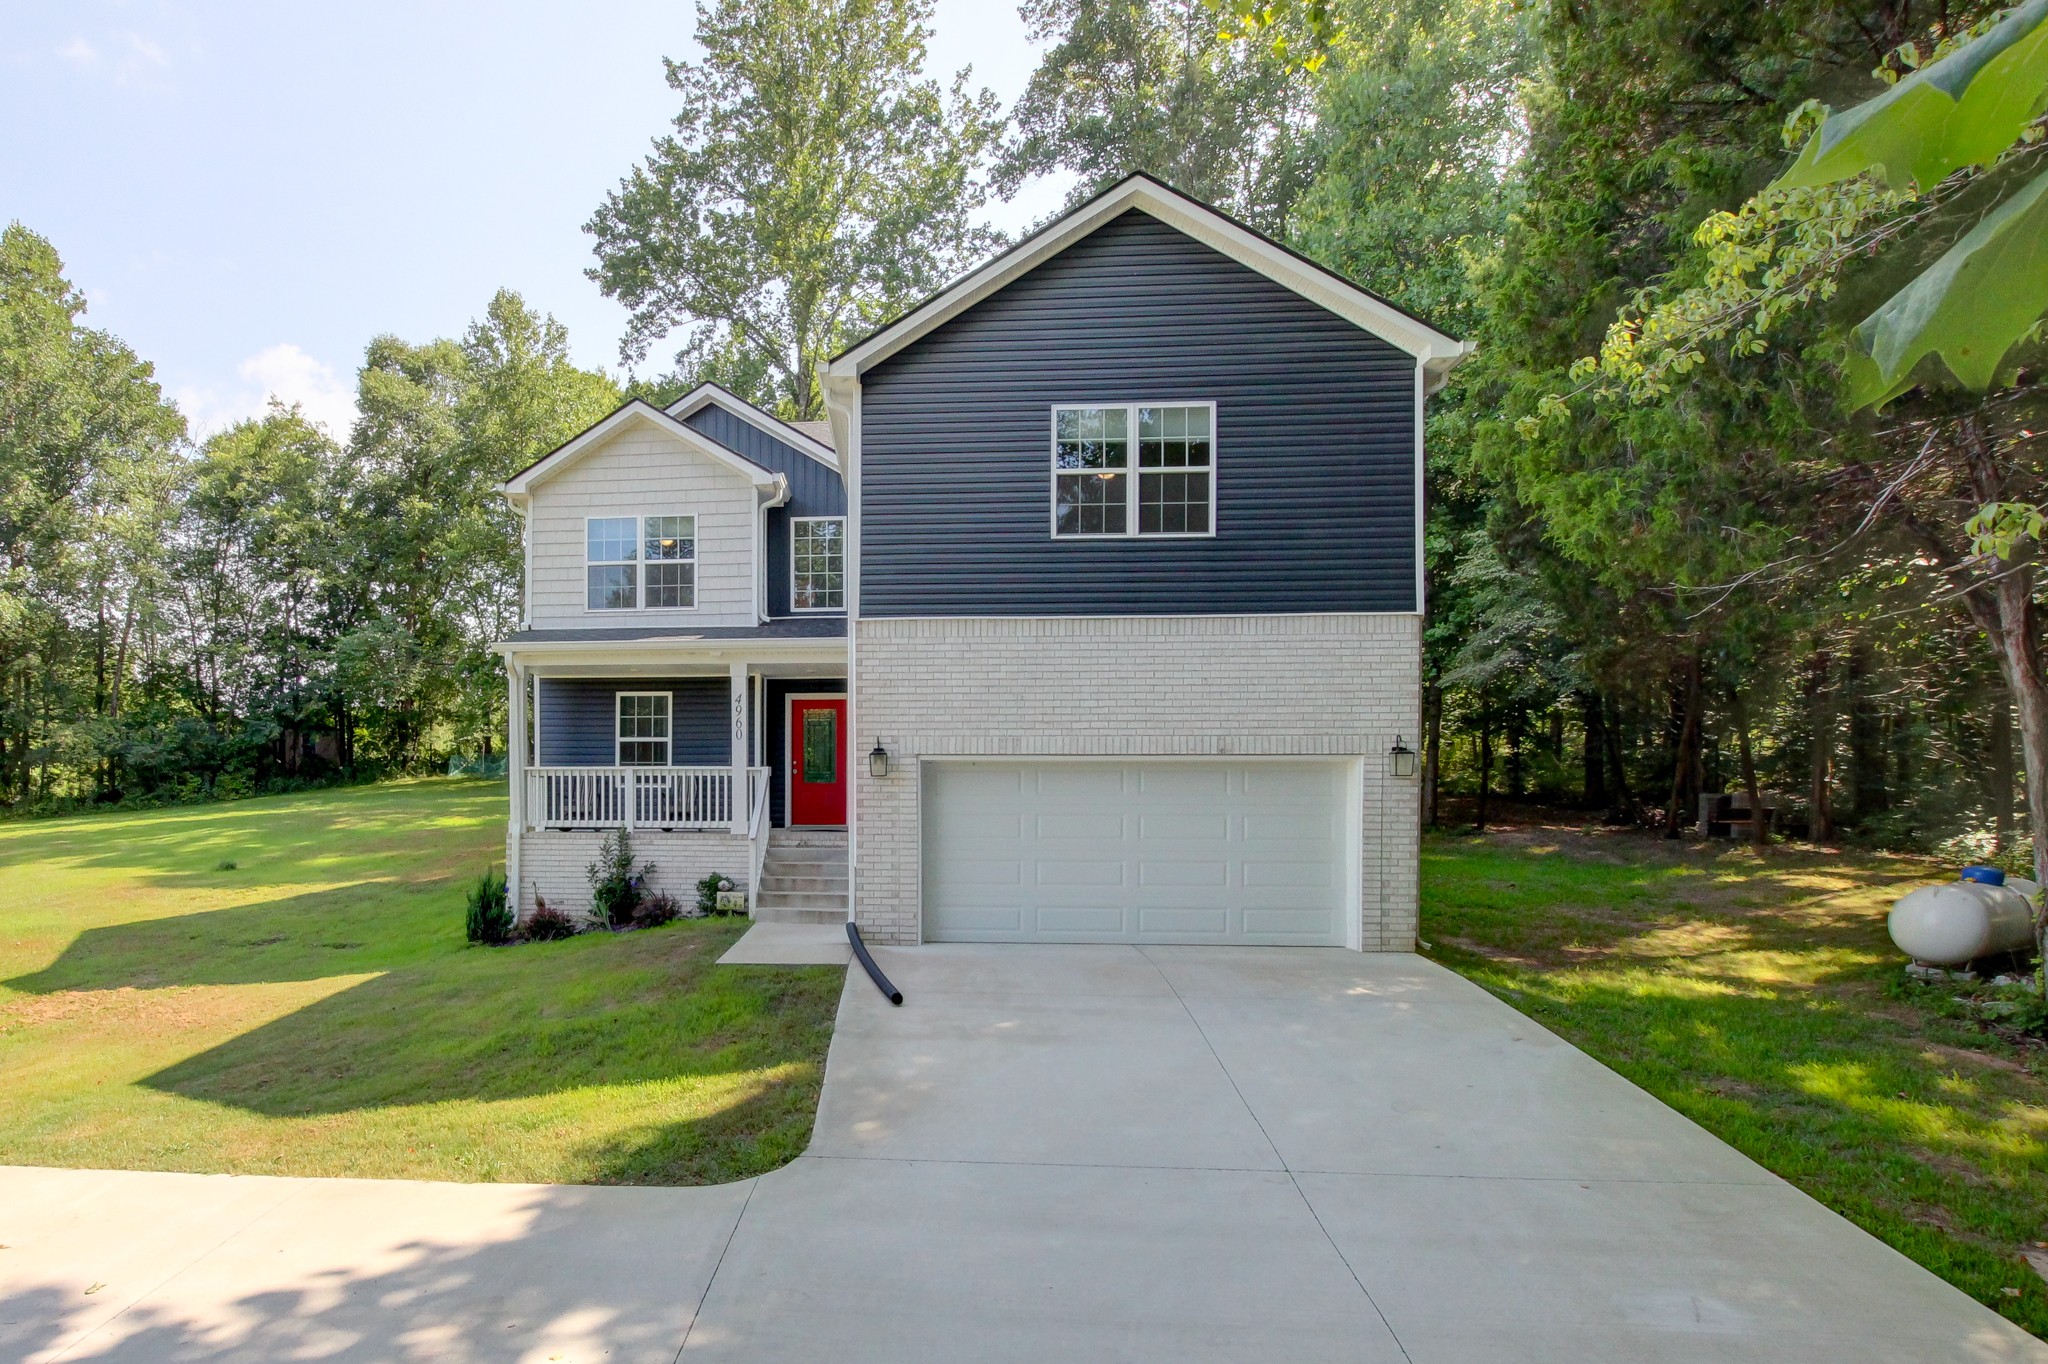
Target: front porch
(683, 740)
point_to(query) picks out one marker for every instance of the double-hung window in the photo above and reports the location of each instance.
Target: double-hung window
(817, 563)
(633, 562)
(643, 728)
(1134, 469)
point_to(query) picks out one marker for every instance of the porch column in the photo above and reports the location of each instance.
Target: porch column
(738, 693)
(515, 774)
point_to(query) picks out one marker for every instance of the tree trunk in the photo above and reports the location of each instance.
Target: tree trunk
(1685, 764)
(1432, 750)
(1759, 832)
(1617, 760)
(1820, 750)
(1866, 740)
(1593, 752)
(2000, 768)
(1485, 768)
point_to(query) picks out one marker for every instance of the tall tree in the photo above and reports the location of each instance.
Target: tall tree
(1151, 85)
(814, 184)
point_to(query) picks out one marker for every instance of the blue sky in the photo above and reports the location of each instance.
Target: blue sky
(248, 193)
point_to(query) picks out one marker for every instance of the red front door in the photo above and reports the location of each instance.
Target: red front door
(817, 761)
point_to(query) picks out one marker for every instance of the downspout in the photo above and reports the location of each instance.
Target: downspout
(778, 496)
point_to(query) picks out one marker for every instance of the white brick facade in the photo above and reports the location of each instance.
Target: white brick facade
(554, 862)
(1090, 686)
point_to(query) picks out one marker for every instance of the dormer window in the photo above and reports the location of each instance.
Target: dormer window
(640, 562)
(1169, 447)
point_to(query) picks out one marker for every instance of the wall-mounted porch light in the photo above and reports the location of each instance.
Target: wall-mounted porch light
(878, 761)
(1402, 760)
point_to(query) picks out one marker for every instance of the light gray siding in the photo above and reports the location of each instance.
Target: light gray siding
(1315, 444)
(641, 471)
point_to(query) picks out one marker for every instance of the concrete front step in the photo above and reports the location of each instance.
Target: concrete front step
(807, 838)
(774, 883)
(801, 899)
(776, 914)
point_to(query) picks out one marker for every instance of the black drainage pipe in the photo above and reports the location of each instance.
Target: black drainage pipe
(860, 949)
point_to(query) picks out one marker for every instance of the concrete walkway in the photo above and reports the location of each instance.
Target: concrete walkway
(1171, 1154)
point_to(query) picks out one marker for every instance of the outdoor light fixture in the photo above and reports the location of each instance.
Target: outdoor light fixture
(1401, 760)
(878, 761)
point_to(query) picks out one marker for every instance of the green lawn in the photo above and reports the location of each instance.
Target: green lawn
(315, 1010)
(1760, 996)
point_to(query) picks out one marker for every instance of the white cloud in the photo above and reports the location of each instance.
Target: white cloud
(127, 58)
(284, 372)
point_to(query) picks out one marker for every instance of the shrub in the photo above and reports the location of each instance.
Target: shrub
(615, 886)
(548, 924)
(707, 893)
(490, 918)
(658, 908)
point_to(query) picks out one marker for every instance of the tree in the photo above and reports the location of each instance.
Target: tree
(813, 185)
(1151, 85)
(87, 451)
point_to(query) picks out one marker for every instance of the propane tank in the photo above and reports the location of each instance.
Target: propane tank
(1979, 915)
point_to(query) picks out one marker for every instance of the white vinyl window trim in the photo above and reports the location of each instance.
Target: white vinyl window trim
(830, 566)
(644, 720)
(1133, 471)
(632, 551)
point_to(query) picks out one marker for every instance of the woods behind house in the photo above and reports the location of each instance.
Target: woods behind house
(1742, 580)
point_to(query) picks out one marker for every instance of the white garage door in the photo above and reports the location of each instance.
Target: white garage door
(1163, 851)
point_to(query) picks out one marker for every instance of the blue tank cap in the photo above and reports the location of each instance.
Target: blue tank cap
(1989, 876)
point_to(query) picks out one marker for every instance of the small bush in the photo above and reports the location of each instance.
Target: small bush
(616, 887)
(489, 920)
(658, 908)
(707, 893)
(224, 866)
(548, 924)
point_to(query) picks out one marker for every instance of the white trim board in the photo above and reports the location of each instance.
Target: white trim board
(521, 485)
(710, 394)
(1363, 309)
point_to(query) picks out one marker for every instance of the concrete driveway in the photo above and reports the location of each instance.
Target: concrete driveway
(1172, 1154)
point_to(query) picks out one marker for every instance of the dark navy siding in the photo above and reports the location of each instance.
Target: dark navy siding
(814, 489)
(579, 719)
(1315, 444)
(779, 690)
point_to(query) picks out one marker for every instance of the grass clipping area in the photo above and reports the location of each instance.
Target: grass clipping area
(315, 1010)
(1760, 995)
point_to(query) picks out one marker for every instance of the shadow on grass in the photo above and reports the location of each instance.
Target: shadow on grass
(347, 930)
(506, 1023)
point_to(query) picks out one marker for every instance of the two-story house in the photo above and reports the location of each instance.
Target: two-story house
(1093, 614)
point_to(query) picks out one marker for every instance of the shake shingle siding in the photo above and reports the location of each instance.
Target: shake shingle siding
(1315, 444)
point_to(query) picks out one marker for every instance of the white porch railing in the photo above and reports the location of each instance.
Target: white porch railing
(637, 797)
(757, 835)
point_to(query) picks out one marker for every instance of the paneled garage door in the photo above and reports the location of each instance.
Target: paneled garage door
(1160, 851)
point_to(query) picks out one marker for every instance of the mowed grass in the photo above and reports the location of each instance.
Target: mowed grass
(1760, 996)
(315, 1010)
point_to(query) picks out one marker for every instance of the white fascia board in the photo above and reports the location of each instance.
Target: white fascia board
(709, 394)
(1346, 300)
(521, 485)
(656, 654)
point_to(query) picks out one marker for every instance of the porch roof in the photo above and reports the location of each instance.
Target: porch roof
(789, 628)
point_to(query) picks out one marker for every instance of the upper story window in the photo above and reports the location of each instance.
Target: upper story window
(640, 562)
(817, 563)
(1094, 491)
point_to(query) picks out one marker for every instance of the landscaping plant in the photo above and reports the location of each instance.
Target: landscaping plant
(489, 919)
(707, 893)
(657, 909)
(616, 886)
(548, 924)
